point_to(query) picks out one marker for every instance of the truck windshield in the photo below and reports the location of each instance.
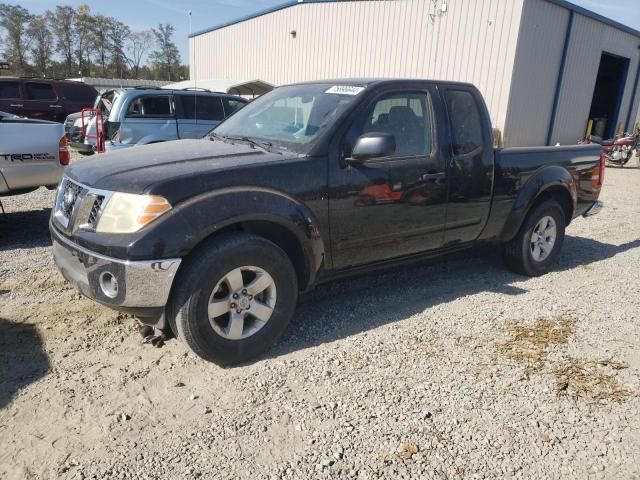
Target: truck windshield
(290, 117)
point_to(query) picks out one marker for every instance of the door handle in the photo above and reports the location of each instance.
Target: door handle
(16, 105)
(55, 106)
(427, 177)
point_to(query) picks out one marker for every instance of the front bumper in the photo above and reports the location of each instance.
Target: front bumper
(119, 284)
(594, 209)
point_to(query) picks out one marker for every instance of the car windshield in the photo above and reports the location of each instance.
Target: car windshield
(292, 117)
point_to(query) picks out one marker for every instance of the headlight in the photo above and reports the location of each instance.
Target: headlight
(128, 213)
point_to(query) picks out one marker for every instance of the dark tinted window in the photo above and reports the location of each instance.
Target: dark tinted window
(78, 93)
(9, 90)
(202, 107)
(232, 104)
(151, 105)
(466, 122)
(407, 116)
(40, 91)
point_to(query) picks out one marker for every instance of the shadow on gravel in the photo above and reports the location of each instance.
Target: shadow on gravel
(25, 229)
(22, 358)
(348, 307)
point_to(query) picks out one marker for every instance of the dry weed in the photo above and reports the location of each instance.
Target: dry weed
(591, 380)
(527, 343)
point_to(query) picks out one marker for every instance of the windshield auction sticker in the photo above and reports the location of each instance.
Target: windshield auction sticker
(345, 90)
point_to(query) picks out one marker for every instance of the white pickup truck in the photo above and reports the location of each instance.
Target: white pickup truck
(33, 153)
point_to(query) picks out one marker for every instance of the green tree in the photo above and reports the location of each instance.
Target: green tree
(41, 40)
(62, 26)
(15, 19)
(166, 57)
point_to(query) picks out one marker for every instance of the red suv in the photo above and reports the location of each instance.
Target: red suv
(44, 99)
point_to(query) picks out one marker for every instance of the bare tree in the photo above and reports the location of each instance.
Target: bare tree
(14, 19)
(138, 44)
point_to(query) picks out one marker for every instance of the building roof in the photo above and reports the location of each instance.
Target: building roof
(293, 3)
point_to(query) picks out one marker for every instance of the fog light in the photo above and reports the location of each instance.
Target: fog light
(109, 284)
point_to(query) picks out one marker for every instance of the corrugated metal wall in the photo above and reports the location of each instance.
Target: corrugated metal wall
(535, 74)
(539, 54)
(474, 42)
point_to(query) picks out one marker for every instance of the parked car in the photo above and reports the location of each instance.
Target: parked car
(139, 116)
(33, 153)
(44, 99)
(214, 239)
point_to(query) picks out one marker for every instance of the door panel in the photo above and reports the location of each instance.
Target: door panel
(471, 168)
(393, 206)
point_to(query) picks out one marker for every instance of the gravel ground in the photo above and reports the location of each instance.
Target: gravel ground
(457, 369)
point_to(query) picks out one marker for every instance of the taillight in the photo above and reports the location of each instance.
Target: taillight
(63, 151)
(603, 164)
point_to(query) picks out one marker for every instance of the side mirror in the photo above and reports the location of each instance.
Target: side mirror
(373, 145)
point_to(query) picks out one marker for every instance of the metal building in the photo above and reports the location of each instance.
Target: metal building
(545, 67)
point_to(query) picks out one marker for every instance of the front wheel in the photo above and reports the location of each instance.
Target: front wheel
(536, 247)
(234, 298)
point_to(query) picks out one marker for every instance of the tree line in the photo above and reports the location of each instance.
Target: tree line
(71, 42)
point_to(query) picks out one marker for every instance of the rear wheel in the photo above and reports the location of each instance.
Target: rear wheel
(536, 248)
(234, 298)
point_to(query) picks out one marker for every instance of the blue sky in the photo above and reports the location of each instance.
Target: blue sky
(143, 14)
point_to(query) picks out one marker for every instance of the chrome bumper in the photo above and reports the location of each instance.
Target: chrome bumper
(114, 282)
(594, 209)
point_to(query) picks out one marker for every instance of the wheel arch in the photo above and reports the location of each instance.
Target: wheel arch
(273, 215)
(550, 183)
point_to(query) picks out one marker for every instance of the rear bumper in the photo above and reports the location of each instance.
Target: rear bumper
(82, 147)
(594, 209)
(135, 286)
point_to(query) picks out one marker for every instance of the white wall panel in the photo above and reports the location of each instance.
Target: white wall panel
(474, 42)
(538, 59)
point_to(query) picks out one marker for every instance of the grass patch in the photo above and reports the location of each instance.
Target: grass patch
(591, 380)
(528, 343)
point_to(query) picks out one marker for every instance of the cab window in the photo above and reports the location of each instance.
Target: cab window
(9, 89)
(151, 106)
(466, 122)
(39, 91)
(406, 116)
(202, 107)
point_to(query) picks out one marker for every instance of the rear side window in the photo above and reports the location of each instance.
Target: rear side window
(40, 91)
(202, 107)
(466, 122)
(151, 106)
(9, 90)
(78, 93)
(231, 105)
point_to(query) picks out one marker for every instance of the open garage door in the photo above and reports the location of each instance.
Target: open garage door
(607, 96)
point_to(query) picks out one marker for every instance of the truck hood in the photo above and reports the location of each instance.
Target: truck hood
(136, 169)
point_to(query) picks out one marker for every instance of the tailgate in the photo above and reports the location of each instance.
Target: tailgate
(29, 154)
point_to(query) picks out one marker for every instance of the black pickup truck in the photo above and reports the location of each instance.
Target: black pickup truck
(214, 239)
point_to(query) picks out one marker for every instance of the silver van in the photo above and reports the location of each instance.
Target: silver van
(139, 116)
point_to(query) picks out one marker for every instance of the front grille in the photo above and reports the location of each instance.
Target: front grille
(67, 201)
(70, 193)
(95, 211)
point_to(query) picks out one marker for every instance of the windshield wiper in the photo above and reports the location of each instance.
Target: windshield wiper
(213, 135)
(262, 145)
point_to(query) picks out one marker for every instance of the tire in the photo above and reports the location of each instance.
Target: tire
(207, 276)
(520, 253)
